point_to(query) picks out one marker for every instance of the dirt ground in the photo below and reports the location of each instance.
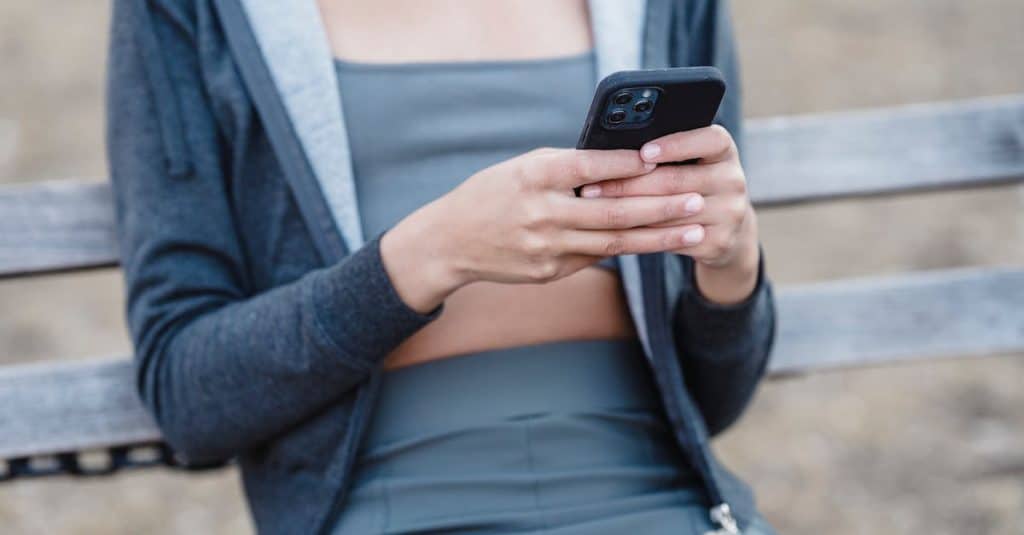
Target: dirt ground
(897, 450)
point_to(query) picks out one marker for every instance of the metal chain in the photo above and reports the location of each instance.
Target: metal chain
(84, 464)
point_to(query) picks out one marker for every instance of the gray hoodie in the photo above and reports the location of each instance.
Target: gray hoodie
(259, 311)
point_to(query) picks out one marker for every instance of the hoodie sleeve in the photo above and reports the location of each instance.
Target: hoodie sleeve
(221, 369)
(724, 349)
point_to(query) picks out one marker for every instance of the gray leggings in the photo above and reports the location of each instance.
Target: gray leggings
(563, 438)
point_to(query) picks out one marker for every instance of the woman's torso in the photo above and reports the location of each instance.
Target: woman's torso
(465, 54)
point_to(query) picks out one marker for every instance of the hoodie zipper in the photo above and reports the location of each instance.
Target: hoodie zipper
(669, 382)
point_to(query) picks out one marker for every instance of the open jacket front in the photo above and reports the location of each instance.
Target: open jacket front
(259, 311)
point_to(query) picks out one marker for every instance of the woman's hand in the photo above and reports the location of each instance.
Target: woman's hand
(722, 230)
(519, 222)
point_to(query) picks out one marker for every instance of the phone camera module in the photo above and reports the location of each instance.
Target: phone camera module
(630, 107)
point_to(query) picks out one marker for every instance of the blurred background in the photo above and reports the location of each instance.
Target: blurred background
(895, 450)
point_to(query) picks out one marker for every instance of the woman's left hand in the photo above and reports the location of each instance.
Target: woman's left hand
(721, 230)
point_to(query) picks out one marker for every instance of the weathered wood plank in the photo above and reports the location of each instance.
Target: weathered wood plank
(50, 408)
(58, 226)
(879, 151)
(962, 312)
(8, 143)
(56, 407)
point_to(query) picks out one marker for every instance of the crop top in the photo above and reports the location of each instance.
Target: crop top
(417, 130)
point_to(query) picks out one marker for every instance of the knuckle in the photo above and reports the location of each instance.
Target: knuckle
(544, 271)
(671, 207)
(535, 246)
(721, 134)
(723, 139)
(668, 239)
(670, 182)
(615, 188)
(615, 245)
(525, 177)
(722, 244)
(615, 215)
(733, 179)
(739, 185)
(583, 166)
(738, 210)
(536, 215)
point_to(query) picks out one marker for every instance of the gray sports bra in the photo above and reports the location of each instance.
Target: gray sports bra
(417, 130)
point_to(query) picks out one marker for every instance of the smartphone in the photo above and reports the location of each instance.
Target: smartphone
(631, 108)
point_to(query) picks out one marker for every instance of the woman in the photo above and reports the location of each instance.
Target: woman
(351, 266)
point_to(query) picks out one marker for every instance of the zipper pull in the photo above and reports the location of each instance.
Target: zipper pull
(721, 515)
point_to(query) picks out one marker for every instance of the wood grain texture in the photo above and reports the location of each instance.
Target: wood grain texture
(962, 312)
(67, 225)
(49, 408)
(56, 226)
(881, 151)
(57, 407)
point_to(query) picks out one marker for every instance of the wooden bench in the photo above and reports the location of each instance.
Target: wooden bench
(85, 418)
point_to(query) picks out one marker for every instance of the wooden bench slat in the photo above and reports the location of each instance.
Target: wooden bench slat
(942, 145)
(54, 407)
(8, 142)
(56, 226)
(967, 312)
(51, 408)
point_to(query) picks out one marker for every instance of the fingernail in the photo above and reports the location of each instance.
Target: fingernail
(693, 236)
(694, 204)
(649, 166)
(650, 150)
(590, 191)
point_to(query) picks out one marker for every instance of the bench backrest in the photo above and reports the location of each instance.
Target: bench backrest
(51, 411)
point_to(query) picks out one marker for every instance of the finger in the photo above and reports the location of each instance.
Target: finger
(710, 144)
(706, 179)
(566, 169)
(718, 210)
(717, 240)
(633, 241)
(626, 212)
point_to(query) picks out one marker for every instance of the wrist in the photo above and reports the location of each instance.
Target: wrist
(734, 280)
(417, 259)
(437, 237)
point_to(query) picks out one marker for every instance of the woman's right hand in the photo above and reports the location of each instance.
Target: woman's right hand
(518, 221)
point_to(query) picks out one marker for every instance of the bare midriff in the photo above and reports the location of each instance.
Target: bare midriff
(586, 305)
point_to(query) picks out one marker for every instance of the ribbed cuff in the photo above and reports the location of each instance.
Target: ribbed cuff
(358, 310)
(711, 328)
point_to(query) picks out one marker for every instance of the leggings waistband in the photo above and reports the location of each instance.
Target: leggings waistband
(482, 387)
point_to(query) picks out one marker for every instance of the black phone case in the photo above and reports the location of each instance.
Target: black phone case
(689, 99)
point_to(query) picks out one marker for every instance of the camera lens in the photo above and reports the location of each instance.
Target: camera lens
(623, 98)
(642, 106)
(617, 116)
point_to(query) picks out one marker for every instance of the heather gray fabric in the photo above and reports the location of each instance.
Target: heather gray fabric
(564, 438)
(259, 325)
(418, 130)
